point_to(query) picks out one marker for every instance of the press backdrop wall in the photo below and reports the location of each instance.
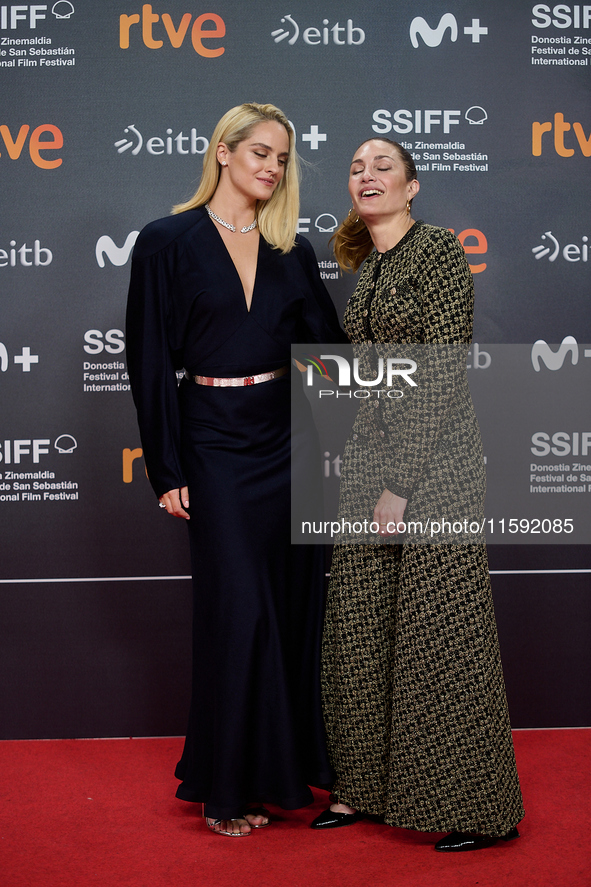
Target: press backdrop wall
(106, 112)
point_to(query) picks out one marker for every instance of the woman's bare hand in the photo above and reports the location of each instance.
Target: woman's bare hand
(389, 513)
(174, 501)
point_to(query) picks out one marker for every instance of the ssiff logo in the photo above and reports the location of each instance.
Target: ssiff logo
(12, 16)
(206, 27)
(63, 9)
(405, 121)
(564, 16)
(448, 22)
(340, 35)
(13, 450)
(325, 222)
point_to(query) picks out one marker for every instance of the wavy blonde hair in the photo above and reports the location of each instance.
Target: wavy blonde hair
(277, 217)
(352, 240)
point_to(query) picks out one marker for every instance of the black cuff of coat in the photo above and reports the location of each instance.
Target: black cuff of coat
(397, 488)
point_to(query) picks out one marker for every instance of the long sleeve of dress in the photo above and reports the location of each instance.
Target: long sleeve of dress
(444, 284)
(320, 315)
(151, 362)
(423, 302)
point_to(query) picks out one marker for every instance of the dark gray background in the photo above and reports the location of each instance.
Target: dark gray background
(109, 654)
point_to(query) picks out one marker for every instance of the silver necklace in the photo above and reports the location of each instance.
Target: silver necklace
(227, 225)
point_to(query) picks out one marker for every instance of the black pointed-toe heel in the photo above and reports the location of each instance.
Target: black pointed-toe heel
(330, 819)
(458, 842)
(510, 835)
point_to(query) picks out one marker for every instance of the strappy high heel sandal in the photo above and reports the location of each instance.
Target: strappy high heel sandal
(211, 825)
(258, 811)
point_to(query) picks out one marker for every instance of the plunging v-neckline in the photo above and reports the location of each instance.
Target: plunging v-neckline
(247, 304)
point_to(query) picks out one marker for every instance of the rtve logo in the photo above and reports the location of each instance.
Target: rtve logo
(128, 457)
(175, 34)
(560, 127)
(340, 35)
(448, 22)
(14, 145)
(477, 243)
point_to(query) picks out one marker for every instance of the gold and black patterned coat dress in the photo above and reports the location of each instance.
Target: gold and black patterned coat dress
(414, 697)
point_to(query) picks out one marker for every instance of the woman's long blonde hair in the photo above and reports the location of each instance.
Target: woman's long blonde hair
(277, 217)
(352, 240)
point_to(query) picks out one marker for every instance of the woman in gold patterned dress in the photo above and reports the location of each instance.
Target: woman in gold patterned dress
(414, 698)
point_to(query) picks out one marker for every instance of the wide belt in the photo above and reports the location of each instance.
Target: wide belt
(237, 381)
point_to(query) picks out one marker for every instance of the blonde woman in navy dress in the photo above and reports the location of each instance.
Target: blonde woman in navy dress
(221, 289)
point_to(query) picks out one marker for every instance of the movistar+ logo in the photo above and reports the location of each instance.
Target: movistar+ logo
(554, 359)
(448, 22)
(117, 255)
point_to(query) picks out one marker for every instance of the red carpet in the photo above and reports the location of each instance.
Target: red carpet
(102, 812)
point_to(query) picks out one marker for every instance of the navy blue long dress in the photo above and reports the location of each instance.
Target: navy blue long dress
(255, 727)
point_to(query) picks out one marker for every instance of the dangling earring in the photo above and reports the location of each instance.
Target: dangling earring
(350, 218)
(408, 207)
